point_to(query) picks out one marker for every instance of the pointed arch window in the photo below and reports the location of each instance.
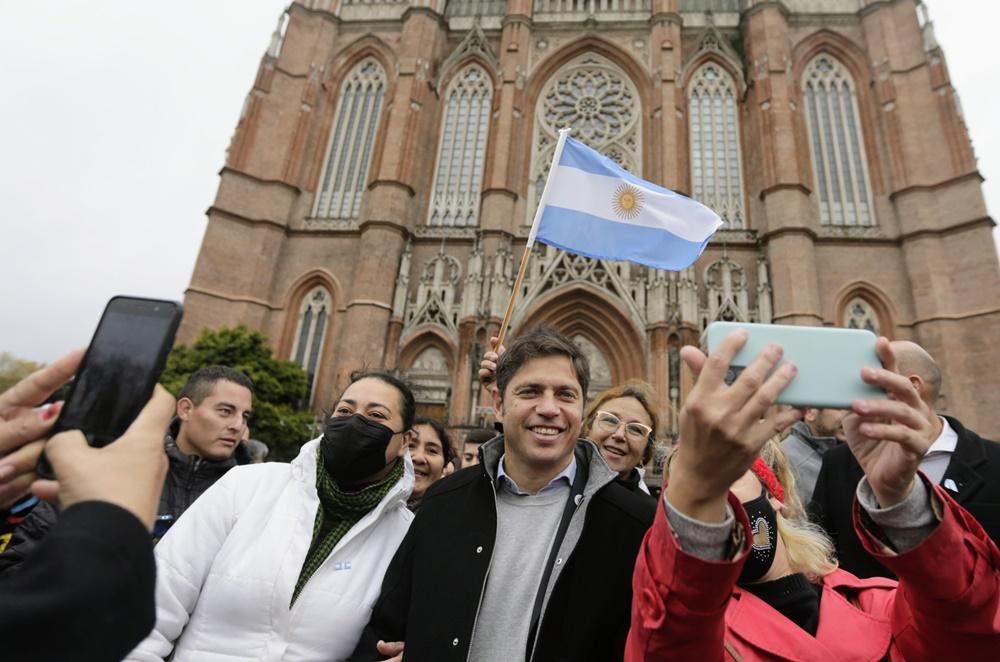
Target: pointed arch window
(859, 314)
(310, 333)
(716, 164)
(351, 139)
(837, 146)
(462, 149)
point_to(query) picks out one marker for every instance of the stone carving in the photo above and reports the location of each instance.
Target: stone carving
(601, 103)
(474, 43)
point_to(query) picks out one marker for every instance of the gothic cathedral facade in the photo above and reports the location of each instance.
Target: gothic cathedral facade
(382, 178)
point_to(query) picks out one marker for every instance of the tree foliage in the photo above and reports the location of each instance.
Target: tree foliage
(279, 417)
(13, 369)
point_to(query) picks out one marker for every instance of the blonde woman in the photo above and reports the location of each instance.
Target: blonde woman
(731, 568)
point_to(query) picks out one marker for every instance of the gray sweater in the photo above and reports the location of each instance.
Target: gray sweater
(526, 526)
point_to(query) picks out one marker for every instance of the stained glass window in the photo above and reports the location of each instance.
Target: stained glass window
(351, 140)
(859, 314)
(313, 315)
(716, 171)
(461, 150)
(838, 157)
(599, 101)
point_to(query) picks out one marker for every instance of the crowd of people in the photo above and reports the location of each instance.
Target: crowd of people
(778, 530)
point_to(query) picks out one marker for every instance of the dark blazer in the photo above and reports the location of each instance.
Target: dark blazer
(587, 615)
(85, 594)
(974, 468)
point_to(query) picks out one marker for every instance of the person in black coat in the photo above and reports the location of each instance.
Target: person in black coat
(542, 534)
(87, 593)
(962, 462)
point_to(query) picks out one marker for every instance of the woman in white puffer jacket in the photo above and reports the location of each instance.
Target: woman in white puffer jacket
(284, 561)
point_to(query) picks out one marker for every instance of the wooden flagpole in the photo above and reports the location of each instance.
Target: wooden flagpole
(563, 133)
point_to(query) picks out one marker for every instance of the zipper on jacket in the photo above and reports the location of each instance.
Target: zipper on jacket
(192, 469)
(489, 566)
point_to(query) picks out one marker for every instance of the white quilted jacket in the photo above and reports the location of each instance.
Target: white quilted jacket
(227, 568)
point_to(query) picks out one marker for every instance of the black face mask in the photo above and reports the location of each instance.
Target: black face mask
(354, 448)
(764, 529)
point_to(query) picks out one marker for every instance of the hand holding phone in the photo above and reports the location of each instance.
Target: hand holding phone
(829, 361)
(128, 472)
(119, 370)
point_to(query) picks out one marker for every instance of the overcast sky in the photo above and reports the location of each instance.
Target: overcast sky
(114, 123)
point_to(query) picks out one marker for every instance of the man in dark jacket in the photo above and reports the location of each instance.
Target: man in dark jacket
(201, 445)
(959, 460)
(808, 442)
(543, 536)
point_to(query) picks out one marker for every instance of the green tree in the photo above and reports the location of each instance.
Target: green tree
(280, 387)
(13, 369)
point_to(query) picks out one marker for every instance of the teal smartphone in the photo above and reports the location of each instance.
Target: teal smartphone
(829, 361)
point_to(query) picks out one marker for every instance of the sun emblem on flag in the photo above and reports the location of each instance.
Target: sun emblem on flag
(628, 201)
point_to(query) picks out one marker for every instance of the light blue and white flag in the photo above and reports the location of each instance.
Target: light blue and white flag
(592, 206)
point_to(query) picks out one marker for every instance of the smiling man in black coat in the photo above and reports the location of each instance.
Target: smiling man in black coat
(961, 461)
(540, 534)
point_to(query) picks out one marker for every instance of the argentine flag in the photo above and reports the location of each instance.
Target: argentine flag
(592, 206)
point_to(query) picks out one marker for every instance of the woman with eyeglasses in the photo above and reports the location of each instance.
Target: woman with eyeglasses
(623, 423)
(285, 561)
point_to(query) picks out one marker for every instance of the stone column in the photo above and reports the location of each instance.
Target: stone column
(786, 218)
(668, 164)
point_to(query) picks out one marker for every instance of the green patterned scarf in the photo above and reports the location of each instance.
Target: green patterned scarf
(338, 512)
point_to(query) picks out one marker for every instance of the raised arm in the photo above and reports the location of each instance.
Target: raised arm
(947, 605)
(692, 556)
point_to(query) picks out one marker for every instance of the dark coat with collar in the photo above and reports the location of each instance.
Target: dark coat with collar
(974, 468)
(587, 614)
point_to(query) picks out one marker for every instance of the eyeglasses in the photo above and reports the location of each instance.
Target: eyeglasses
(610, 423)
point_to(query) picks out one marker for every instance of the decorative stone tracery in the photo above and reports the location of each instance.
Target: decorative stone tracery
(437, 298)
(600, 102)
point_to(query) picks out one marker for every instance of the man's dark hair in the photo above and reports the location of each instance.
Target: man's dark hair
(479, 436)
(405, 393)
(202, 382)
(543, 341)
(442, 435)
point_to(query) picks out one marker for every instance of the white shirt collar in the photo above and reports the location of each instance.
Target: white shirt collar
(946, 441)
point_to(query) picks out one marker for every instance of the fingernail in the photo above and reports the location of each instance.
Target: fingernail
(6, 471)
(49, 411)
(864, 407)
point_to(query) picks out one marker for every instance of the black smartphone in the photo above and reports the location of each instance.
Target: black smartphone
(119, 370)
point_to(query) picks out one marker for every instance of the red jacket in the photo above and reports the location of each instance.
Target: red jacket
(944, 607)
